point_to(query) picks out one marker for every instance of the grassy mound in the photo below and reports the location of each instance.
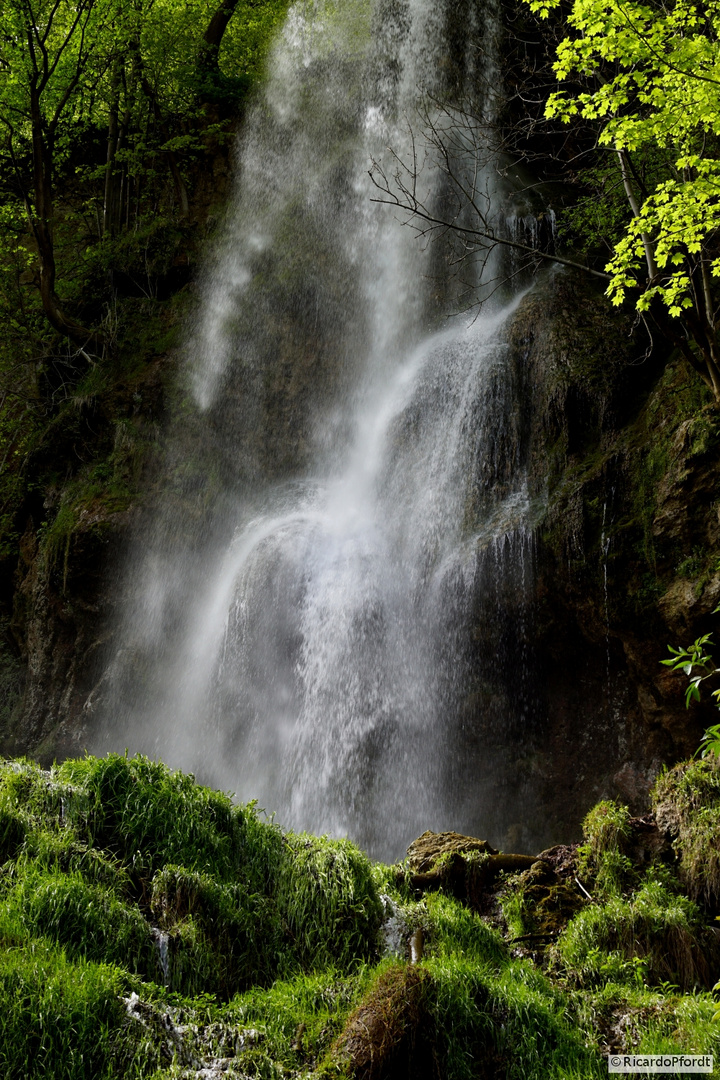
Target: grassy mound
(686, 802)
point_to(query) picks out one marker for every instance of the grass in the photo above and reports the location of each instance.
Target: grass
(656, 936)
(602, 858)
(686, 802)
(64, 1019)
(484, 1005)
(273, 944)
(87, 919)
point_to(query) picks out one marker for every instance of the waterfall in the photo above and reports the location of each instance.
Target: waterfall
(329, 604)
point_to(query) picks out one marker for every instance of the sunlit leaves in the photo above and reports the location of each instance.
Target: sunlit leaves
(649, 76)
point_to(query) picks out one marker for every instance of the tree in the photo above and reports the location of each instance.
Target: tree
(698, 665)
(648, 78)
(46, 50)
(642, 83)
(69, 68)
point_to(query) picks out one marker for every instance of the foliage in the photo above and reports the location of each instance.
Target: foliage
(602, 858)
(655, 936)
(697, 663)
(686, 803)
(64, 1019)
(486, 1007)
(239, 901)
(88, 919)
(645, 78)
(106, 135)
(271, 947)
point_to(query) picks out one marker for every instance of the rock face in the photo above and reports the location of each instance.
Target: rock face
(61, 606)
(624, 451)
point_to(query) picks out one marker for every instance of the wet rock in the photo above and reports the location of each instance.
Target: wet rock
(201, 1051)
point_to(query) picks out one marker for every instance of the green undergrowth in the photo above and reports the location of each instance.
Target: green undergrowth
(64, 1018)
(151, 927)
(686, 802)
(486, 1006)
(654, 937)
(646, 925)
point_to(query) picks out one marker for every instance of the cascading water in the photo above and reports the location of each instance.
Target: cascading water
(330, 609)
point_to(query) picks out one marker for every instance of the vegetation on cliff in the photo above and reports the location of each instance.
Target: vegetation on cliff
(644, 80)
(118, 122)
(152, 928)
(139, 165)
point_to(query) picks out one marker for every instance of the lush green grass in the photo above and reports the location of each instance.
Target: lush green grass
(88, 919)
(272, 944)
(485, 1005)
(686, 801)
(64, 1019)
(602, 858)
(654, 936)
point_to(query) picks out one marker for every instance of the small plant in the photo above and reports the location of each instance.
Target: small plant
(686, 803)
(697, 663)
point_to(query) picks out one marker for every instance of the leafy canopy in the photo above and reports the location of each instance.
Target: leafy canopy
(649, 76)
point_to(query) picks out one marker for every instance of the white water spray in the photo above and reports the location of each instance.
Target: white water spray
(345, 539)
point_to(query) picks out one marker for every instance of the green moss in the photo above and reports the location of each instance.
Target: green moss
(148, 815)
(221, 938)
(12, 834)
(686, 802)
(510, 1017)
(455, 930)
(241, 902)
(486, 1007)
(535, 905)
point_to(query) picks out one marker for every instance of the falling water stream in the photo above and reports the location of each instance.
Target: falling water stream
(329, 605)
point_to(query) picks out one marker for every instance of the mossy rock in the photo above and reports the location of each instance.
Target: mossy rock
(542, 903)
(424, 853)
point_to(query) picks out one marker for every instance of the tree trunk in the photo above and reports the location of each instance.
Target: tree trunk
(113, 135)
(181, 192)
(209, 56)
(41, 222)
